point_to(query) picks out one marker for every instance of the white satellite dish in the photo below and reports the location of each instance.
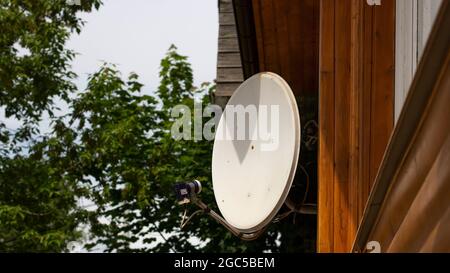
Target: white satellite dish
(252, 176)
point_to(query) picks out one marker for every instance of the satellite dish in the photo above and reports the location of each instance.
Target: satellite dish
(252, 175)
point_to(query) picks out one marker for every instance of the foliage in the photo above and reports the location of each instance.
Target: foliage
(34, 64)
(126, 147)
(38, 201)
(114, 149)
(38, 209)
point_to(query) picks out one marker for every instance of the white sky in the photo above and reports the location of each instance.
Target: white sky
(136, 34)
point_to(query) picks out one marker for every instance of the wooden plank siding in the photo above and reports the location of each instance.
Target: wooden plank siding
(355, 110)
(229, 65)
(346, 51)
(409, 207)
(228, 45)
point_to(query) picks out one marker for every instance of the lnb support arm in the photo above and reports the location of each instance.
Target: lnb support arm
(223, 222)
(188, 193)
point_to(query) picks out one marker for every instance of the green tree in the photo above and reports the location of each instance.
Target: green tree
(34, 63)
(38, 201)
(127, 153)
(114, 148)
(127, 140)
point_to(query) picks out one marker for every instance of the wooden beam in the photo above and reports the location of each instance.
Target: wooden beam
(355, 109)
(325, 233)
(408, 208)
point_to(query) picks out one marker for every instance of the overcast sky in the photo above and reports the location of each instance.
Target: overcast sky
(135, 35)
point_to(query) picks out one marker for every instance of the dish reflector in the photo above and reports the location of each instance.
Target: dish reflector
(252, 175)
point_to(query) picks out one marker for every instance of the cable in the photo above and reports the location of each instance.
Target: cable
(183, 222)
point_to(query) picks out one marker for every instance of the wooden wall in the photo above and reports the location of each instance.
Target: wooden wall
(415, 215)
(229, 66)
(409, 208)
(357, 44)
(287, 33)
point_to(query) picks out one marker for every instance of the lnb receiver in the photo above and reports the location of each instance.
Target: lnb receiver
(186, 191)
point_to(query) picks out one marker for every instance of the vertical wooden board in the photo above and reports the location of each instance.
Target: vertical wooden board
(309, 24)
(257, 13)
(362, 50)
(296, 45)
(366, 107)
(282, 16)
(270, 33)
(306, 27)
(342, 125)
(301, 23)
(355, 99)
(383, 82)
(325, 231)
(315, 43)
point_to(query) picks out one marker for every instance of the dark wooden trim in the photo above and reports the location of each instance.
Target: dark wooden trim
(245, 24)
(287, 41)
